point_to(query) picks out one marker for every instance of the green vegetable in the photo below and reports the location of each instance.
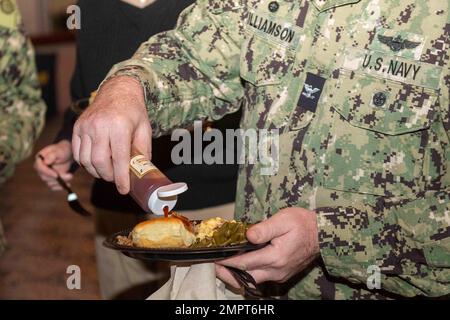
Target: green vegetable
(228, 234)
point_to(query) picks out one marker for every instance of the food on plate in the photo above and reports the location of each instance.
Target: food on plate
(124, 241)
(176, 231)
(172, 231)
(220, 232)
(207, 227)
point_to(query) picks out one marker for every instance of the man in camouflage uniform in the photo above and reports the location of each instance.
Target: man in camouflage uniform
(21, 107)
(359, 90)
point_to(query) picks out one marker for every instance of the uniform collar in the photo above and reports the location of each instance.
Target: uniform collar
(323, 5)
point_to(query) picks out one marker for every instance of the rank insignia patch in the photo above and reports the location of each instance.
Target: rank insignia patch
(312, 90)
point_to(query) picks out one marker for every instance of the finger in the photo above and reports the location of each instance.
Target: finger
(85, 155)
(63, 152)
(62, 169)
(67, 177)
(52, 183)
(56, 188)
(257, 259)
(120, 151)
(274, 274)
(101, 157)
(269, 229)
(47, 150)
(264, 275)
(76, 143)
(226, 276)
(43, 170)
(47, 179)
(142, 139)
(56, 184)
(48, 155)
(53, 186)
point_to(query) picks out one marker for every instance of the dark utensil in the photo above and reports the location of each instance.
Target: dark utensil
(72, 197)
(246, 280)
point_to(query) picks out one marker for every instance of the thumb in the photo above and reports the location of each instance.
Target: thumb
(142, 139)
(49, 156)
(63, 152)
(268, 230)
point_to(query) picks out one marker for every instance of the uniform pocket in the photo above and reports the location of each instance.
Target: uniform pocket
(263, 62)
(379, 134)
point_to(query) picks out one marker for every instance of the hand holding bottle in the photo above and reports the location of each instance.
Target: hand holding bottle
(106, 131)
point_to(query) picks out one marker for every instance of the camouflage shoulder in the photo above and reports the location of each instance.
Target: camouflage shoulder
(219, 6)
(9, 14)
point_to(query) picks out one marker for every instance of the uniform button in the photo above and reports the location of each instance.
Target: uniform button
(379, 99)
(274, 6)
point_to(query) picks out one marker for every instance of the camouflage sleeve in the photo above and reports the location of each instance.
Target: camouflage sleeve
(408, 242)
(192, 72)
(21, 107)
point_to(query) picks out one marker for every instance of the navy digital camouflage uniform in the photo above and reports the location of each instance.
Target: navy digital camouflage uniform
(21, 107)
(359, 90)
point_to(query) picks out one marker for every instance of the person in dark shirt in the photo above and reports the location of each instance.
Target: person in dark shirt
(110, 32)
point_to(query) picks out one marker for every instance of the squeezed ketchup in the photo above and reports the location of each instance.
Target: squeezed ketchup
(166, 211)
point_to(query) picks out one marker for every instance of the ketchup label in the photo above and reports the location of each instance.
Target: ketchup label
(140, 166)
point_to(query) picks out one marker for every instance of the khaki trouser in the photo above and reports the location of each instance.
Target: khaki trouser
(122, 277)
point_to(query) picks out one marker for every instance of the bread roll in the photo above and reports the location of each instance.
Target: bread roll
(174, 231)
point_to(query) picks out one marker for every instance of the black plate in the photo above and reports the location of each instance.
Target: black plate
(179, 254)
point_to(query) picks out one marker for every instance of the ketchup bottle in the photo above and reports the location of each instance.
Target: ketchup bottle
(150, 188)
